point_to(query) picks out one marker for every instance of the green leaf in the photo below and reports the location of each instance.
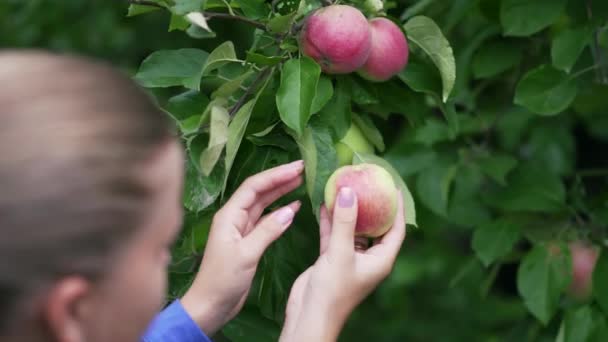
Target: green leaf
(260, 59)
(553, 144)
(168, 68)
(530, 189)
(236, 130)
(320, 160)
(425, 33)
(408, 201)
(496, 57)
(218, 137)
(336, 114)
(523, 17)
(371, 132)
(432, 132)
(178, 22)
(227, 89)
(253, 9)
(274, 136)
(577, 325)
(296, 93)
(541, 278)
(433, 186)
(498, 166)
(568, 46)
(324, 93)
(495, 240)
(600, 281)
(182, 7)
(250, 325)
(140, 9)
(221, 55)
(199, 191)
(186, 104)
(546, 91)
(421, 76)
(409, 160)
(281, 23)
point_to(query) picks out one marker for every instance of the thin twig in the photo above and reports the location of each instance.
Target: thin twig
(210, 15)
(259, 79)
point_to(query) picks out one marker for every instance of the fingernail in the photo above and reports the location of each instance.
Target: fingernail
(346, 198)
(284, 215)
(299, 164)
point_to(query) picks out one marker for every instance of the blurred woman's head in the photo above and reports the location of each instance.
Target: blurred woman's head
(90, 181)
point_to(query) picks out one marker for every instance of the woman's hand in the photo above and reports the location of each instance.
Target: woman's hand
(323, 296)
(238, 238)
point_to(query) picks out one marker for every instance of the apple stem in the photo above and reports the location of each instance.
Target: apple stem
(361, 243)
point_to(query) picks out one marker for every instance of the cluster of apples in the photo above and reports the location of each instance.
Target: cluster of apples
(341, 40)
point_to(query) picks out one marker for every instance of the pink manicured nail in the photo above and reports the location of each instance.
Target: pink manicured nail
(346, 198)
(284, 215)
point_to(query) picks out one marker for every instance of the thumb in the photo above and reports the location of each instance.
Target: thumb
(270, 228)
(342, 238)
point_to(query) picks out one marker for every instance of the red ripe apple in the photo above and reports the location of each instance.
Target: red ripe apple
(389, 52)
(376, 197)
(584, 258)
(337, 37)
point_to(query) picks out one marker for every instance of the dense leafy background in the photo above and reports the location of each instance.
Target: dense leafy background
(514, 158)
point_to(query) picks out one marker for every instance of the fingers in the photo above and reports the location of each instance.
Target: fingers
(255, 186)
(390, 244)
(264, 200)
(268, 229)
(341, 240)
(324, 230)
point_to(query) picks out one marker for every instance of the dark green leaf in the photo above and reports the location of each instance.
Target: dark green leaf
(410, 160)
(530, 189)
(524, 17)
(408, 201)
(496, 57)
(553, 144)
(541, 278)
(425, 33)
(600, 281)
(421, 76)
(187, 104)
(336, 114)
(167, 68)
(577, 325)
(546, 91)
(495, 240)
(319, 154)
(299, 78)
(568, 46)
(253, 9)
(250, 325)
(498, 166)
(324, 93)
(433, 186)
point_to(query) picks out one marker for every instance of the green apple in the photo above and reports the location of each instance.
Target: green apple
(353, 141)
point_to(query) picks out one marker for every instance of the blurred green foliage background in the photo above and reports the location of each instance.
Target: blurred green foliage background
(439, 291)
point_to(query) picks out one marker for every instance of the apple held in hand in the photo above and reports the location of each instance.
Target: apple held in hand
(338, 38)
(376, 197)
(353, 141)
(389, 52)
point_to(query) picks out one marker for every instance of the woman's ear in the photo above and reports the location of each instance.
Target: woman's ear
(64, 309)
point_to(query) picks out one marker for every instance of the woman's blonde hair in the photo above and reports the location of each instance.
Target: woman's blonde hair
(74, 137)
